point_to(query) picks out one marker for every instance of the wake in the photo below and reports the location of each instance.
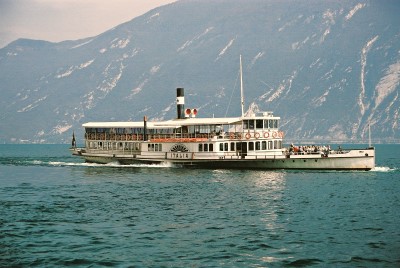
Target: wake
(109, 165)
(383, 169)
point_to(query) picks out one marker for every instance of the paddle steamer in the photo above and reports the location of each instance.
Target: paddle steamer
(247, 142)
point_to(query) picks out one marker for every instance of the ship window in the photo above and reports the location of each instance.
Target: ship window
(266, 123)
(251, 124)
(226, 146)
(156, 147)
(245, 124)
(264, 145)
(232, 146)
(238, 146)
(221, 147)
(271, 123)
(258, 146)
(269, 145)
(279, 144)
(275, 144)
(251, 146)
(200, 147)
(259, 123)
(206, 147)
(275, 123)
(211, 147)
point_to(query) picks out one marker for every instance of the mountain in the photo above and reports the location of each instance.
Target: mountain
(328, 68)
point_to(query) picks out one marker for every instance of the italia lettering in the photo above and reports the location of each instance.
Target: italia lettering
(180, 155)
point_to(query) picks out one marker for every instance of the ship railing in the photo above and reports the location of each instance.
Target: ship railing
(92, 136)
(140, 136)
(113, 137)
(319, 152)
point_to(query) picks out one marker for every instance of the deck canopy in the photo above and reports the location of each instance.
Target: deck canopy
(150, 125)
(176, 123)
(200, 121)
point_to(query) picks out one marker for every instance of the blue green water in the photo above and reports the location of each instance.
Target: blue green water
(56, 211)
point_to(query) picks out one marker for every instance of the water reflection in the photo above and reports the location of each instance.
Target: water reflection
(271, 179)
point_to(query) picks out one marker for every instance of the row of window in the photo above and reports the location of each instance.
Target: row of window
(250, 146)
(260, 124)
(247, 124)
(206, 147)
(131, 146)
(154, 147)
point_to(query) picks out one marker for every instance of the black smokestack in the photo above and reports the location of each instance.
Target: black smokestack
(180, 103)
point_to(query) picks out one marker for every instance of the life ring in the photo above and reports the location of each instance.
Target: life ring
(140, 137)
(231, 136)
(274, 134)
(266, 135)
(239, 136)
(128, 137)
(134, 137)
(248, 136)
(101, 137)
(92, 136)
(281, 134)
(256, 135)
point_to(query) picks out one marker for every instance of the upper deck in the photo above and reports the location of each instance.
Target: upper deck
(257, 125)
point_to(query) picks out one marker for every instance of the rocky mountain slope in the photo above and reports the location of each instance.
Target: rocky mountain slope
(328, 68)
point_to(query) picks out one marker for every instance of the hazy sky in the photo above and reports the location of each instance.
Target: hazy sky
(58, 20)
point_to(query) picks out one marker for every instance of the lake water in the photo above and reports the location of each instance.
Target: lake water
(56, 210)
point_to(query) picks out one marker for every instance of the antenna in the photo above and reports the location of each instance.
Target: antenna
(369, 135)
(241, 86)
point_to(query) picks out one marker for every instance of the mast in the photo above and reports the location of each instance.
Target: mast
(369, 135)
(241, 87)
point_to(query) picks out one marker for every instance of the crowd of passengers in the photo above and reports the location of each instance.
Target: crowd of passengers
(311, 149)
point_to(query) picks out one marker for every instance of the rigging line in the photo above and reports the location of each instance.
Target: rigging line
(233, 90)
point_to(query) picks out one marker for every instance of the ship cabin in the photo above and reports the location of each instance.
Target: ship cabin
(201, 138)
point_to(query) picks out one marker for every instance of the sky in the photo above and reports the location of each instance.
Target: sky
(59, 20)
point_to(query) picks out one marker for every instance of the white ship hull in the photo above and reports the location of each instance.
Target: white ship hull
(355, 159)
